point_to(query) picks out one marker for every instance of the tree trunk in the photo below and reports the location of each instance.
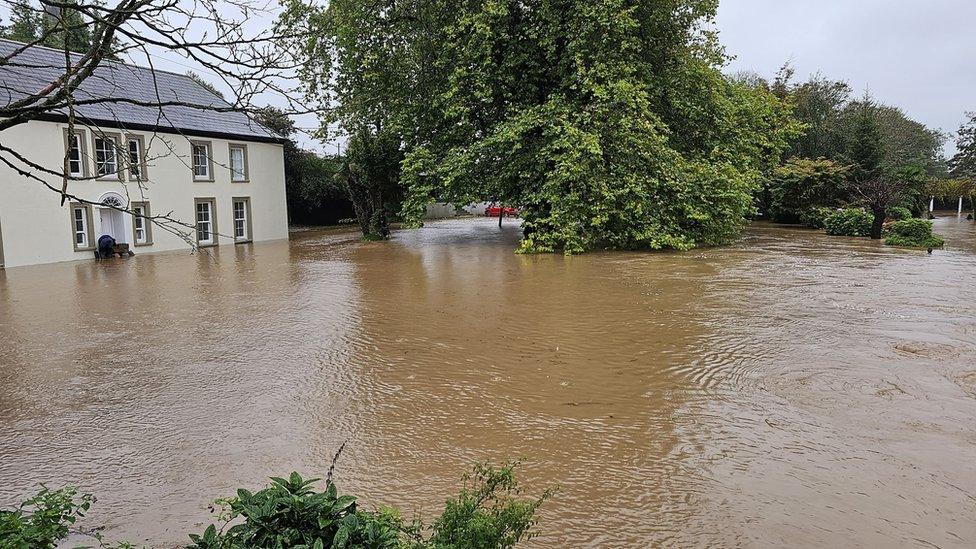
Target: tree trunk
(878, 225)
(501, 214)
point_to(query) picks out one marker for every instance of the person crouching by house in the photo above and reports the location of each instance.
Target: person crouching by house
(106, 246)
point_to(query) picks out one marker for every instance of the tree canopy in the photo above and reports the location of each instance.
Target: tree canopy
(607, 122)
(963, 163)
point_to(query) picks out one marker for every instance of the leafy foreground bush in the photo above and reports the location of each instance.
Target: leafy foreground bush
(43, 520)
(849, 222)
(489, 513)
(913, 233)
(899, 213)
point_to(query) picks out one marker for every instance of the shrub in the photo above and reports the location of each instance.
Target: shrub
(43, 520)
(913, 233)
(801, 184)
(899, 213)
(815, 217)
(289, 513)
(490, 513)
(849, 222)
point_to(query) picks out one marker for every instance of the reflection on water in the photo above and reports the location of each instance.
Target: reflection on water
(793, 389)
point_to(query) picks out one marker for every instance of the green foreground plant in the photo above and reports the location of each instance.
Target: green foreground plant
(489, 513)
(43, 520)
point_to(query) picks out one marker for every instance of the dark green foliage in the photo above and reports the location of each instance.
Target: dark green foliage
(608, 123)
(24, 23)
(963, 163)
(73, 29)
(816, 217)
(310, 179)
(899, 213)
(43, 520)
(488, 514)
(849, 222)
(866, 148)
(291, 514)
(370, 174)
(802, 184)
(833, 124)
(819, 104)
(913, 233)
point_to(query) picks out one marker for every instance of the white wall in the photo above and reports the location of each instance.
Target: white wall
(37, 229)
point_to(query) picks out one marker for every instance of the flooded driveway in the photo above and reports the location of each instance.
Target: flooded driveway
(790, 390)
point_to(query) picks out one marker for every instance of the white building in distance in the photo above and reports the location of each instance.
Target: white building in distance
(217, 175)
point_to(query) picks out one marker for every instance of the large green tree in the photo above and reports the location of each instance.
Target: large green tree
(608, 122)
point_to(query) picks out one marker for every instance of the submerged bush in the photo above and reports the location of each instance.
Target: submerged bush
(804, 184)
(815, 217)
(913, 233)
(849, 222)
(899, 213)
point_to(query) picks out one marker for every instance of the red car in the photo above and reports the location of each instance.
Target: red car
(495, 210)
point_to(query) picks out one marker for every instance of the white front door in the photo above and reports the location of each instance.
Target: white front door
(113, 224)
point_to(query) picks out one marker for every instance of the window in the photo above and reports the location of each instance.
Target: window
(238, 163)
(136, 157)
(202, 161)
(106, 160)
(242, 219)
(206, 222)
(141, 226)
(81, 226)
(75, 144)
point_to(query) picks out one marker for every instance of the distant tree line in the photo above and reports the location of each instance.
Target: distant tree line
(851, 151)
(313, 186)
(32, 23)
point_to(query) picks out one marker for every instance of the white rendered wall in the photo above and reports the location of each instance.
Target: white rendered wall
(37, 229)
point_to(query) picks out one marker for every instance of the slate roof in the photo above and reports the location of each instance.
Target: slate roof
(38, 66)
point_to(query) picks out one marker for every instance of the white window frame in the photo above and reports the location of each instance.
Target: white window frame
(80, 143)
(84, 230)
(136, 166)
(210, 222)
(242, 223)
(114, 140)
(238, 175)
(141, 223)
(206, 165)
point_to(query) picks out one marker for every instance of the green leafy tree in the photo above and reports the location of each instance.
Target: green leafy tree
(819, 105)
(24, 22)
(67, 28)
(370, 174)
(963, 163)
(607, 122)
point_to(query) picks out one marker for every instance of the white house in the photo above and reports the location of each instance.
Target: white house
(218, 172)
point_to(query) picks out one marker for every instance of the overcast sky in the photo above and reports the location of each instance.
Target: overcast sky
(919, 55)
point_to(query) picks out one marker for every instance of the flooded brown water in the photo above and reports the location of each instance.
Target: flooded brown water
(790, 390)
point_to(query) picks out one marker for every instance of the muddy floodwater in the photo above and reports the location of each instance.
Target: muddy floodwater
(790, 390)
